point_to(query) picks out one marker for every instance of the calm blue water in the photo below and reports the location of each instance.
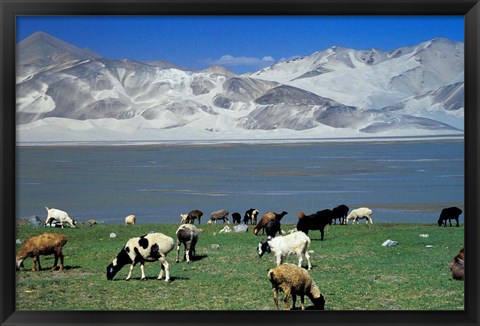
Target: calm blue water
(400, 182)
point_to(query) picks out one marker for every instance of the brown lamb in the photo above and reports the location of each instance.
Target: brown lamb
(44, 244)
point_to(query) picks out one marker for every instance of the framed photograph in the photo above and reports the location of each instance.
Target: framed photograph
(124, 119)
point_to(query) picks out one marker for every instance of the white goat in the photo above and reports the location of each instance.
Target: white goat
(283, 246)
(356, 214)
(54, 214)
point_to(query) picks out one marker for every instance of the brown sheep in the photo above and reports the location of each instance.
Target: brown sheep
(44, 244)
(293, 280)
(266, 218)
(458, 266)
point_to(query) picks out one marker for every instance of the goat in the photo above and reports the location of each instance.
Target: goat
(316, 221)
(188, 235)
(236, 218)
(130, 220)
(340, 212)
(283, 246)
(250, 216)
(267, 217)
(62, 217)
(219, 215)
(457, 266)
(43, 244)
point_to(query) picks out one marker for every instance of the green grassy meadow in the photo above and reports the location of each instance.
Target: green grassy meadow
(351, 268)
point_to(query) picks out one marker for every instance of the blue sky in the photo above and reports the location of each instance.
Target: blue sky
(241, 43)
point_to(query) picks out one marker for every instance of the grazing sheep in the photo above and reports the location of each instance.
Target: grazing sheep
(91, 222)
(147, 248)
(236, 218)
(130, 220)
(267, 217)
(44, 244)
(293, 280)
(56, 215)
(188, 235)
(183, 218)
(251, 216)
(356, 214)
(272, 228)
(451, 213)
(194, 215)
(340, 212)
(458, 266)
(283, 246)
(219, 215)
(316, 221)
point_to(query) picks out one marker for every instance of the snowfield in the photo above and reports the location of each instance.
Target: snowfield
(78, 97)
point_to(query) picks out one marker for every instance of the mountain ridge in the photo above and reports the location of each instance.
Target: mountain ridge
(340, 92)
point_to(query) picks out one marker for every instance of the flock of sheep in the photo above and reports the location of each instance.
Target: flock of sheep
(291, 279)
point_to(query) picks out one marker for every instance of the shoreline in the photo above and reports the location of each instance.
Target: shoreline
(242, 141)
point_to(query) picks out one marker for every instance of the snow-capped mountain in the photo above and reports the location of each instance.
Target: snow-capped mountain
(69, 94)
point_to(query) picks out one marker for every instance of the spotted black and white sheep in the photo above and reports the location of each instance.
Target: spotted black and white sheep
(43, 244)
(219, 215)
(250, 216)
(267, 217)
(316, 221)
(130, 220)
(147, 248)
(339, 213)
(292, 281)
(359, 213)
(188, 235)
(236, 218)
(458, 266)
(56, 215)
(283, 246)
(450, 213)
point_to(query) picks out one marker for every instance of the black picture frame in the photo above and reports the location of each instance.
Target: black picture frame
(470, 9)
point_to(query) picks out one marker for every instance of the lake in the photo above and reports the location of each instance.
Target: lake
(409, 181)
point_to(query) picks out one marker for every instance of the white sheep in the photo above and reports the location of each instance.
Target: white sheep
(147, 248)
(293, 281)
(130, 220)
(283, 246)
(356, 214)
(219, 215)
(188, 235)
(61, 217)
(43, 244)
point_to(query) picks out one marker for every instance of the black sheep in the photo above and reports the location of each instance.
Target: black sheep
(451, 213)
(316, 221)
(236, 217)
(340, 212)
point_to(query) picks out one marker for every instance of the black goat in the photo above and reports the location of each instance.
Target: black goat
(316, 221)
(272, 228)
(340, 212)
(236, 217)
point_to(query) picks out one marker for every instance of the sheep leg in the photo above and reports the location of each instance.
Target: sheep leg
(164, 265)
(294, 300)
(300, 260)
(55, 262)
(308, 260)
(286, 298)
(178, 251)
(129, 272)
(457, 221)
(275, 297)
(142, 268)
(302, 301)
(187, 253)
(36, 259)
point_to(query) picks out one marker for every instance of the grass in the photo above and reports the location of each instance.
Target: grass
(352, 269)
